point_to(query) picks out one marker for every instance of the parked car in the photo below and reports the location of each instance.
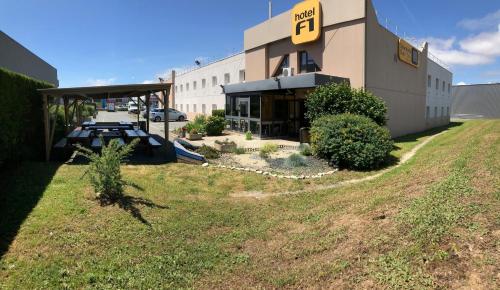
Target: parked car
(143, 112)
(158, 115)
(133, 110)
(121, 108)
(111, 107)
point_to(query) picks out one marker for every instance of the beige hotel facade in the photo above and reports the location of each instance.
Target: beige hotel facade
(319, 42)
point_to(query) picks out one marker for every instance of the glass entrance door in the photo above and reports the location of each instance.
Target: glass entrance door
(244, 106)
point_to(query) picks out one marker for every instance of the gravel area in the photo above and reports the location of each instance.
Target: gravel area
(274, 164)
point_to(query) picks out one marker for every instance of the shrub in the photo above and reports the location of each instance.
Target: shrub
(295, 160)
(334, 99)
(198, 124)
(104, 169)
(21, 116)
(219, 113)
(305, 149)
(248, 135)
(267, 149)
(208, 152)
(215, 125)
(350, 141)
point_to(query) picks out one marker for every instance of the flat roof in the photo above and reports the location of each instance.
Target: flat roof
(104, 92)
(303, 81)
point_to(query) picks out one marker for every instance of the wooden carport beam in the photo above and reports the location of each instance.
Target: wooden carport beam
(165, 118)
(46, 125)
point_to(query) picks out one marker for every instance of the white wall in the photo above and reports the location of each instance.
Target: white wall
(186, 99)
(436, 96)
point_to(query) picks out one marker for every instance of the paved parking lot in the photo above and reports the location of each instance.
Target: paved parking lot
(154, 128)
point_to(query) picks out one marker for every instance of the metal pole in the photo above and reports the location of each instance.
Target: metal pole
(166, 117)
(148, 105)
(138, 111)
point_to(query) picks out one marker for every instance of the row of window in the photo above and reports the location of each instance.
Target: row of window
(194, 107)
(215, 82)
(428, 112)
(443, 87)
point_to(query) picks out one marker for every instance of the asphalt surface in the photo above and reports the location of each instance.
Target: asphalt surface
(154, 128)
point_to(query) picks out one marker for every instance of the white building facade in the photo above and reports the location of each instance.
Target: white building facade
(199, 91)
(439, 95)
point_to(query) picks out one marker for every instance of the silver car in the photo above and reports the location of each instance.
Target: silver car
(157, 115)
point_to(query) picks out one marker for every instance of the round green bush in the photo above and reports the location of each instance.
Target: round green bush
(334, 99)
(350, 141)
(215, 125)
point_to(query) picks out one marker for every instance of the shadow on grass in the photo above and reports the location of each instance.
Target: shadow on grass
(21, 189)
(131, 203)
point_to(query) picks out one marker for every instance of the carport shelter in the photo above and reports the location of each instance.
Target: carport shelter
(75, 98)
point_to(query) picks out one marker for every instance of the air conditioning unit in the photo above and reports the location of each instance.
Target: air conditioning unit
(288, 72)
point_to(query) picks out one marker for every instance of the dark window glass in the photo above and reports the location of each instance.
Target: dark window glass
(306, 63)
(255, 107)
(244, 107)
(414, 56)
(228, 105)
(234, 107)
(285, 63)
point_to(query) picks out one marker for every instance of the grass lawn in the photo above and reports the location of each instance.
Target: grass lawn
(433, 222)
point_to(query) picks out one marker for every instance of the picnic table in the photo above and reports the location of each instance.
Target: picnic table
(78, 135)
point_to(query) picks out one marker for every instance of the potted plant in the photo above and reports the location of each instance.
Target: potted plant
(182, 132)
(194, 135)
(225, 146)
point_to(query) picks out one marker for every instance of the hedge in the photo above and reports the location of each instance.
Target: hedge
(350, 141)
(219, 113)
(21, 116)
(334, 99)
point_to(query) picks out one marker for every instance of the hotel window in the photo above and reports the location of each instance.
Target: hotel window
(442, 111)
(187, 108)
(306, 63)
(242, 75)
(182, 88)
(187, 87)
(285, 63)
(176, 89)
(194, 85)
(194, 108)
(435, 112)
(214, 81)
(427, 112)
(437, 84)
(429, 81)
(177, 106)
(449, 88)
(214, 107)
(203, 83)
(182, 109)
(444, 84)
(204, 109)
(447, 111)
(227, 79)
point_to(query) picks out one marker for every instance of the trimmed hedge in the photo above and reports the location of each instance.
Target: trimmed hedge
(21, 116)
(219, 113)
(351, 141)
(334, 99)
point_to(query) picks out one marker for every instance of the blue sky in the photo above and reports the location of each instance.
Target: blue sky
(131, 41)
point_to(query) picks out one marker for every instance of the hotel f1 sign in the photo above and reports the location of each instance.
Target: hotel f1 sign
(407, 53)
(306, 22)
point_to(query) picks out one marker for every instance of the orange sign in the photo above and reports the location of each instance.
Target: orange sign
(407, 53)
(306, 22)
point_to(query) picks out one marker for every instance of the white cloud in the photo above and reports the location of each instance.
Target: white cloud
(461, 84)
(148, 82)
(100, 82)
(444, 50)
(489, 21)
(486, 43)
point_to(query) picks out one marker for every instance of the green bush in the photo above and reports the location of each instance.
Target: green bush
(305, 149)
(335, 99)
(350, 141)
(215, 125)
(295, 160)
(198, 124)
(208, 152)
(267, 149)
(21, 115)
(104, 169)
(219, 113)
(248, 136)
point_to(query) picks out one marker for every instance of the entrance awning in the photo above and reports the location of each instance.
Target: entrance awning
(302, 81)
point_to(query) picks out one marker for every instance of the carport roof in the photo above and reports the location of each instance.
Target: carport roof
(104, 92)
